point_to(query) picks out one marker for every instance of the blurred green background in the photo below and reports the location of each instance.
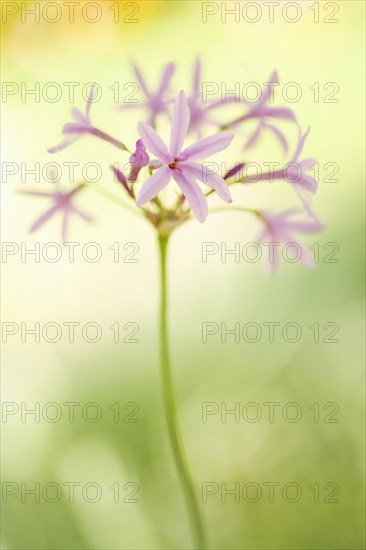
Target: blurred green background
(306, 452)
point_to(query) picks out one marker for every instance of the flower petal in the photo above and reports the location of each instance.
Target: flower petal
(300, 144)
(304, 226)
(153, 185)
(140, 80)
(280, 136)
(303, 196)
(180, 123)
(308, 183)
(306, 164)
(78, 115)
(278, 112)
(166, 78)
(35, 193)
(65, 222)
(153, 142)
(220, 102)
(71, 128)
(155, 164)
(208, 146)
(91, 97)
(273, 79)
(82, 214)
(64, 144)
(122, 179)
(197, 76)
(305, 258)
(233, 171)
(254, 137)
(43, 218)
(209, 178)
(195, 197)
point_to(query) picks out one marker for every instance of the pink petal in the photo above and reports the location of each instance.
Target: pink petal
(306, 164)
(65, 221)
(281, 138)
(253, 138)
(268, 236)
(300, 144)
(73, 128)
(197, 76)
(281, 216)
(153, 185)
(155, 164)
(214, 181)
(92, 94)
(141, 80)
(82, 214)
(122, 179)
(308, 183)
(305, 202)
(194, 195)
(233, 171)
(78, 115)
(166, 78)
(304, 227)
(64, 144)
(208, 146)
(278, 112)
(273, 79)
(180, 123)
(153, 142)
(222, 102)
(306, 258)
(43, 218)
(36, 193)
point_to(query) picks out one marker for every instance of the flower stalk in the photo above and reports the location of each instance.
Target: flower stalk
(176, 441)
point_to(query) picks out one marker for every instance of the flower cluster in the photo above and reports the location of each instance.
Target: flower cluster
(155, 165)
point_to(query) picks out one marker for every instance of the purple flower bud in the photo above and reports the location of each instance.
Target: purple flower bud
(233, 171)
(121, 178)
(155, 164)
(138, 160)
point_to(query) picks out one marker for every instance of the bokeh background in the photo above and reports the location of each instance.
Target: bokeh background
(105, 452)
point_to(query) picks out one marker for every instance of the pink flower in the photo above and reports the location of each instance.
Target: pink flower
(180, 165)
(155, 101)
(262, 111)
(81, 126)
(294, 172)
(279, 229)
(62, 202)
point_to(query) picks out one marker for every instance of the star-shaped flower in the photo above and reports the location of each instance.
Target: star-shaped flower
(262, 111)
(294, 170)
(155, 102)
(82, 125)
(180, 165)
(279, 229)
(62, 202)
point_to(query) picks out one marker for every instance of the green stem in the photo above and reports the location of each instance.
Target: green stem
(111, 196)
(171, 411)
(235, 208)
